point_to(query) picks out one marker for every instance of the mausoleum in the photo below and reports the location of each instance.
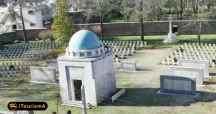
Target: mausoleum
(87, 63)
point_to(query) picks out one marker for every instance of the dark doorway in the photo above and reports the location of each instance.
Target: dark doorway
(77, 89)
(68, 112)
(14, 27)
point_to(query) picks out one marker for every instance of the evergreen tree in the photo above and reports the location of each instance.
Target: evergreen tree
(62, 25)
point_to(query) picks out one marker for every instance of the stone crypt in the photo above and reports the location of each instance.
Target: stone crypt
(86, 62)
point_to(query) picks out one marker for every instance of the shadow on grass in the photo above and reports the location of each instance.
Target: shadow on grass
(143, 69)
(149, 97)
(29, 91)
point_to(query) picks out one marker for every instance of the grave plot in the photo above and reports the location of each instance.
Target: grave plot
(181, 80)
(186, 70)
(192, 51)
(173, 84)
(43, 74)
(31, 50)
(16, 58)
(123, 49)
(199, 65)
(14, 68)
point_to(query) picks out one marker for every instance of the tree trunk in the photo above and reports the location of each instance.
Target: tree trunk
(200, 31)
(142, 29)
(23, 23)
(101, 26)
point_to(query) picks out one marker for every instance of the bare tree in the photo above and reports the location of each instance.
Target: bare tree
(21, 2)
(195, 6)
(103, 7)
(182, 6)
(127, 9)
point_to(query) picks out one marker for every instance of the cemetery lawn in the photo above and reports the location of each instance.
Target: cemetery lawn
(141, 96)
(156, 41)
(19, 89)
(159, 38)
(142, 86)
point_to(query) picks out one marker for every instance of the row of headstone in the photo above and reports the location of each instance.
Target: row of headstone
(33, 49)
(16, 58)
(8, 74)
(193, 51)
(13, 68)
(123, 49)
(123, 53)
(17, 68)
(121, 43)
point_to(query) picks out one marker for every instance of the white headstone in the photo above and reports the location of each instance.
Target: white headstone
(197, 64)
(185, 71)
(43, 74)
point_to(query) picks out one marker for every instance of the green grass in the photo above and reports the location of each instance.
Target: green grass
(135, 101)
(156, 37)
(159, 38)
(213, 79)
(20, 89)
(156, 41)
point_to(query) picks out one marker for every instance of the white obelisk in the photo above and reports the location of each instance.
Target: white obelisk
(171, 37)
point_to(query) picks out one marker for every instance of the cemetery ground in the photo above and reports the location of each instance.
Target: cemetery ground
(141, 88)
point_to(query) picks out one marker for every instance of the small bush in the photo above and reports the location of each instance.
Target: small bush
(55, 53)
(45, 35)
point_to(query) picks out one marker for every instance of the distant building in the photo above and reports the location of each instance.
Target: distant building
(3, 3)
(32, 17)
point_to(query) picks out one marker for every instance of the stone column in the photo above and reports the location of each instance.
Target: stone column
(171, 37)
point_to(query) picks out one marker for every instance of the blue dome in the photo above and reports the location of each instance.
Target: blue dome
(84, 40)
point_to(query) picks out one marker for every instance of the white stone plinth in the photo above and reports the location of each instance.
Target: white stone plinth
(171, 38)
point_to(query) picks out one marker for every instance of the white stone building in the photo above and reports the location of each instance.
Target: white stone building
(10, 18)
(86, 62)
(32, 16)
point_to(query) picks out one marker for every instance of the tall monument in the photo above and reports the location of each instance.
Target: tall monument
(171, 37)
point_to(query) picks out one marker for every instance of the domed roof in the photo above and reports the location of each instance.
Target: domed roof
(84, 40)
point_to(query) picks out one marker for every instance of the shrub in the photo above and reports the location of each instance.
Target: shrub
(55, 53)
(45, 35)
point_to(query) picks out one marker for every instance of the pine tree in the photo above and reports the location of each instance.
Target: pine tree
(62, 25)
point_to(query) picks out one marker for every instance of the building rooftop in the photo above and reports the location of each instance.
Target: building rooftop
(84, 40)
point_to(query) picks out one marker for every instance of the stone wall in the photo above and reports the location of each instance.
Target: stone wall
(150, 28)
(31, 34)
(133, 28)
